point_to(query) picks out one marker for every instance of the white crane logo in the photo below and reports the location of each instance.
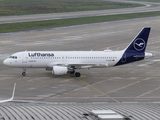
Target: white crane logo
(139, 44)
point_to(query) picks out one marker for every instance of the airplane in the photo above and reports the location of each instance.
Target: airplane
(63, 62)
(3, 101)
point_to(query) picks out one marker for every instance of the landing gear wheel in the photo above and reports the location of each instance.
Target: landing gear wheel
(24, 73)
(77, 74)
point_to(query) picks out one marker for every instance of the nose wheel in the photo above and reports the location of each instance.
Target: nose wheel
(24, 72)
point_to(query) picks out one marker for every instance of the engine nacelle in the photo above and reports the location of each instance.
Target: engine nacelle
(59, 70)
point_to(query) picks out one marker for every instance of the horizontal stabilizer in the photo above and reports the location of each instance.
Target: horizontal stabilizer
(146, 55)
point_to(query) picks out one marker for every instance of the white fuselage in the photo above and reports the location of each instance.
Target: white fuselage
(63, 62)
(45, 59)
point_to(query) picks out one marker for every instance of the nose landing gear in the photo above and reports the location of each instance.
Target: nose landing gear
(24, 72)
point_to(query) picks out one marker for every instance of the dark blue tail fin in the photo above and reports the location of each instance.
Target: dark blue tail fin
(136, 49)
(139, 43)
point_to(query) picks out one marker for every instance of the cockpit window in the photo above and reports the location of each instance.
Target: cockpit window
(13, 57)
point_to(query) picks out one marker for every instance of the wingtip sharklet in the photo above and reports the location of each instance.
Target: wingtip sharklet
(13, 93)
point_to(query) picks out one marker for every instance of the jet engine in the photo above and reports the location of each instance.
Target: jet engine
(59, 70)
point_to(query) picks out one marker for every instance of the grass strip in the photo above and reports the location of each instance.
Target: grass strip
(146, 0)
(25, 7)
(23, 26)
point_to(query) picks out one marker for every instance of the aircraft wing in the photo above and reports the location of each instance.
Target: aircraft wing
(77, 64)
(2, 101)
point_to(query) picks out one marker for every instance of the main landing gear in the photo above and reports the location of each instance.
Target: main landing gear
(77, 74)
(24, 72)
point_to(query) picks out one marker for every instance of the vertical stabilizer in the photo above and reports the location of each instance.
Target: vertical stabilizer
(136, 49)
(139, 43)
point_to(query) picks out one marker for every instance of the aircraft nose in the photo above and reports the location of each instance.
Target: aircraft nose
(6, 62)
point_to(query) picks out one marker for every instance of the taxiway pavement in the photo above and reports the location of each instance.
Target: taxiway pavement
(136, 82)
(149, 6)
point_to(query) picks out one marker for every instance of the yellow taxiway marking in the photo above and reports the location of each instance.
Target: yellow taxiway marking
(62, 34)
(82, 76)
(65, 76)
(98, 90)
(102, 28)
(8, 75)
(5, 41)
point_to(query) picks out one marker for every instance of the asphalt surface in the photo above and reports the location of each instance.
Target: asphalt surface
(132, 90)
(131, 83)
(149, 6)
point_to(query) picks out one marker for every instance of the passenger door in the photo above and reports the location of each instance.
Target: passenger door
(24, 57)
